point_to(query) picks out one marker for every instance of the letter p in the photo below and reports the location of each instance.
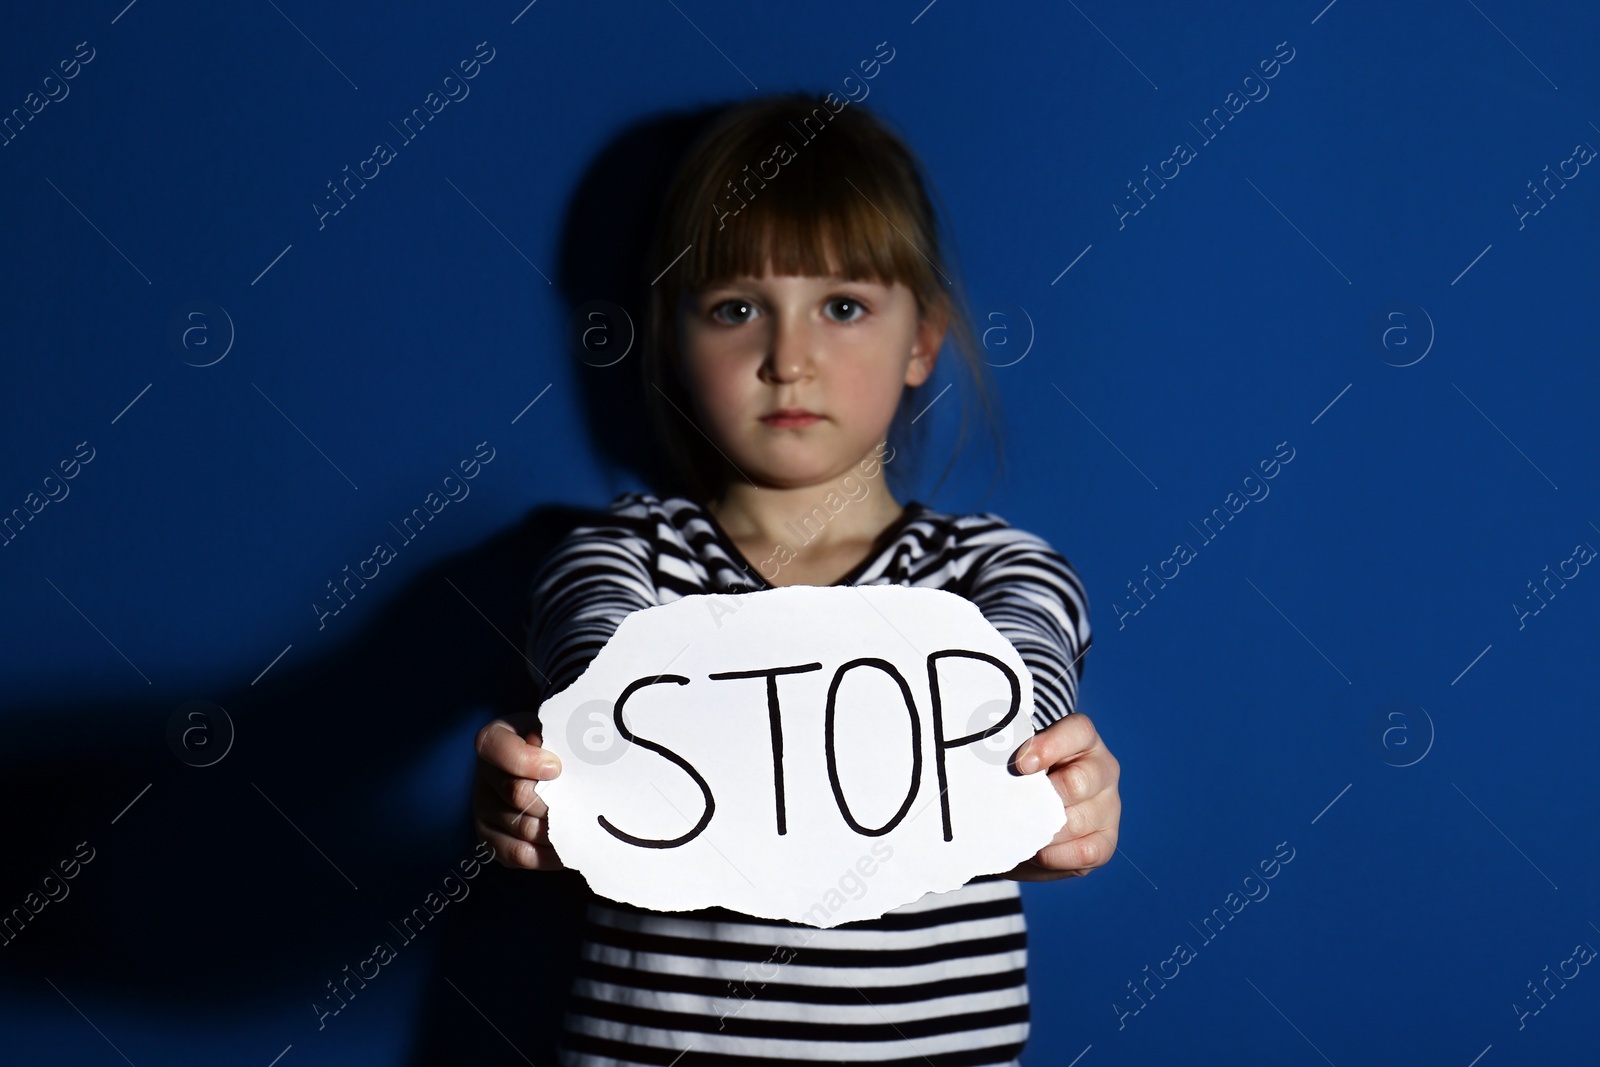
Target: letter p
(940, 745)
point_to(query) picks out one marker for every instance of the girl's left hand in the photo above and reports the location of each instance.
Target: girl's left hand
(1085, 775)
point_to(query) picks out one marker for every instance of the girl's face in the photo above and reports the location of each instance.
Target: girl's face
(841, 350)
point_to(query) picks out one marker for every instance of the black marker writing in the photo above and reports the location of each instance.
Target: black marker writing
(939, 743)
(916, 744)
(711, 804)
(774, 725)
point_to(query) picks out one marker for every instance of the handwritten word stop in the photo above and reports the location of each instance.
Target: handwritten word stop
(743, 750)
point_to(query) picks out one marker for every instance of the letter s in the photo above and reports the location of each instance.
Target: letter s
(78, 52)
(479, 52)
(78, 451)
(478, 451)
(1278, 852)
(622, 728)
(879, 52)
(1278, 451)
(1279, 51)
(78, 852)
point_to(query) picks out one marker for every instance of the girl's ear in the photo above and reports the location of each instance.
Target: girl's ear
(925, 350)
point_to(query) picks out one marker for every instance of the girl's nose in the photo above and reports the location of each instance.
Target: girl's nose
(788, 356)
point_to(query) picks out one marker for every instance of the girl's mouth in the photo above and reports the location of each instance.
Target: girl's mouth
(782, 419)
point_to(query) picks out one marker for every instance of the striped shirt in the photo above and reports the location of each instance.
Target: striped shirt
(941, 980)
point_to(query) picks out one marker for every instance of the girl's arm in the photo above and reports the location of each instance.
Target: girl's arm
(595, 577)
(1033, 596)
(590, 581)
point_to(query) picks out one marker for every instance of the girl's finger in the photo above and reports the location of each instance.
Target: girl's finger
(517, 854)
(1068, 737)
(528, 828)
(524, 796)
(503, 748)
(1096, 813)
(1082, 778)
(513, 790)
(497, 806)
(502, 785)
(1084, 853)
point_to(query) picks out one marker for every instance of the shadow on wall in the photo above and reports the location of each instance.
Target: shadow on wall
(260, 884)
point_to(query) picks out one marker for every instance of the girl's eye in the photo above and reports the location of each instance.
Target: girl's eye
(737, 312)
(851, 306)
(741, 308)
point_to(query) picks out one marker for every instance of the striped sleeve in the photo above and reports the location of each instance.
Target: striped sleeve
(1033, 596)
(593, 578)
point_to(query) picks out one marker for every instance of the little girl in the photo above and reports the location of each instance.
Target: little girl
(806, 298)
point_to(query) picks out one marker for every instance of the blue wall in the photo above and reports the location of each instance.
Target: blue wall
(248, 388)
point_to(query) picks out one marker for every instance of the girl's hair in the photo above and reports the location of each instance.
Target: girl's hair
(752, 186)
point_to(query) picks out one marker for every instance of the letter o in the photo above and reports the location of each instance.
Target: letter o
(833, 762)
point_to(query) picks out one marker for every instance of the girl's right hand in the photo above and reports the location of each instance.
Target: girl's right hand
(508, 813)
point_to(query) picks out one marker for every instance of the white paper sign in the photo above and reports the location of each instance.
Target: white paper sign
(820, 754)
